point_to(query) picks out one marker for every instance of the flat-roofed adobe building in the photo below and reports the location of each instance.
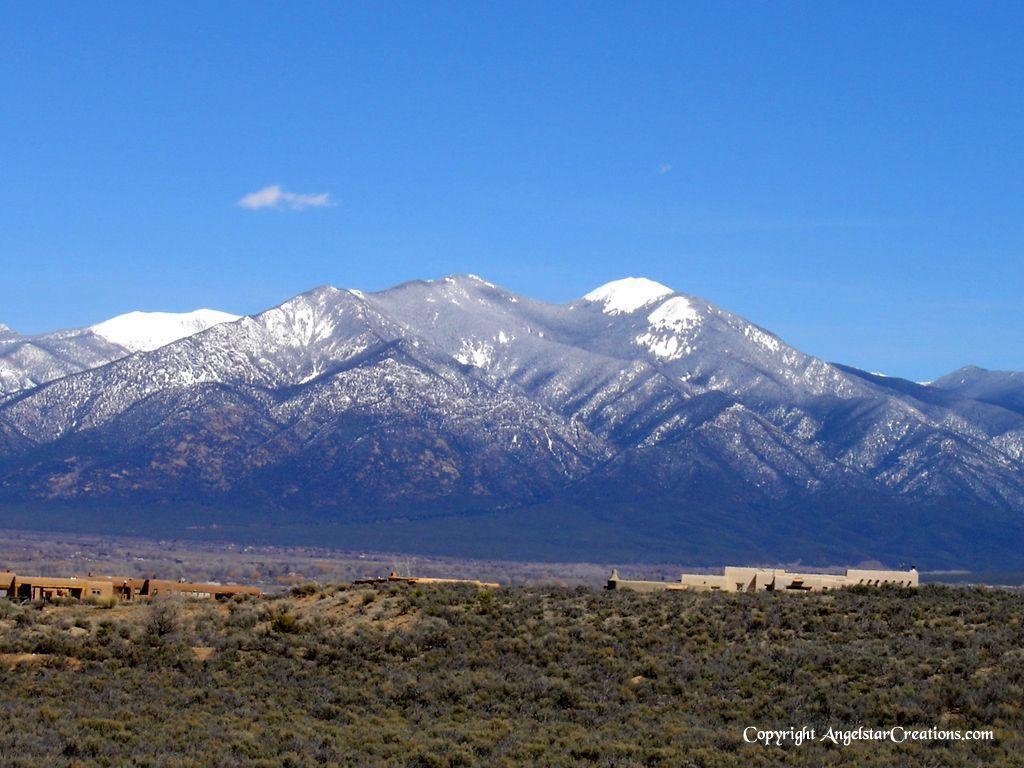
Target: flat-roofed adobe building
(637, 585)
(123, 588)
(194, 589)
(53, 588)
(745, 579)
(6, 584)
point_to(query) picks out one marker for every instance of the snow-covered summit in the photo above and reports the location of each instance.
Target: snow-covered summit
(628, 294)
(145, 331)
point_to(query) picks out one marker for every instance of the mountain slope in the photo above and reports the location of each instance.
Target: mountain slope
(321, 388)
(1002, 388)
(636, 408)
(28, 361)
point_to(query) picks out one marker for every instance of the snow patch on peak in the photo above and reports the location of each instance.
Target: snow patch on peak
(668, 322)
(357, 293)
(320, 293)
(145, 331)
(627, 295)
(677, 314)
(301, 322)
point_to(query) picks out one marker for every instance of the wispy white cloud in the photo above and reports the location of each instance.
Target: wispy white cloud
(278, 199)
(664, 168)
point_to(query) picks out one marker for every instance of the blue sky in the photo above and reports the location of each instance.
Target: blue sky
(848, 175)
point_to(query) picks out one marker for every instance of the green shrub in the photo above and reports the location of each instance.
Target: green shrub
(305, 590)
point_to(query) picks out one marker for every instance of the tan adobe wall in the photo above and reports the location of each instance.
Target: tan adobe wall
(49, 588)
(124, 587)
(699, 583)
(703, 582)
(194, 589)
(749, 579)
(121, 587)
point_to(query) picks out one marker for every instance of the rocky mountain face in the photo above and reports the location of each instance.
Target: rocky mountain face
(454, 416)
(27, 361)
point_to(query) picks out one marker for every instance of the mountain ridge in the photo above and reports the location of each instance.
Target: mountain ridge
(455, 396)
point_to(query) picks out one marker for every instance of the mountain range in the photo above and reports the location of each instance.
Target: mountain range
(455, 417)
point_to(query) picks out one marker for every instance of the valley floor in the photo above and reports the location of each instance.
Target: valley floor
(407, 675)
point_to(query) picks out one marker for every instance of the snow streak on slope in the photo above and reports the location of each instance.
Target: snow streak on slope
(146, 331)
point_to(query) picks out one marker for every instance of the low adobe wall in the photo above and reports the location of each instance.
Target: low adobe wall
(747, 579)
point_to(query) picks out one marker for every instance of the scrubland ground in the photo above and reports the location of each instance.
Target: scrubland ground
(452, 676)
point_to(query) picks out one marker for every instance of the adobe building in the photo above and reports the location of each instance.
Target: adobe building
(52, 588)
(123, 588)
(744, 579)
(6, 584)
(155, 587)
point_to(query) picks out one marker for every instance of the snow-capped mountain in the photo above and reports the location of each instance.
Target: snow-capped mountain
(634, 419)
(627, 295)
(27, 361)
(145, 331)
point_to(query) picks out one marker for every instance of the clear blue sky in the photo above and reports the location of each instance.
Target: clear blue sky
(848, 175)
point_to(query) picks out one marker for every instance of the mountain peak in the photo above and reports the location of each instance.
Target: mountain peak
(475, 279)
(145, 331)
(973, 375)
(628, 294)
(432, 398)
(960, 377)
(324, 290)
(463, 281)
